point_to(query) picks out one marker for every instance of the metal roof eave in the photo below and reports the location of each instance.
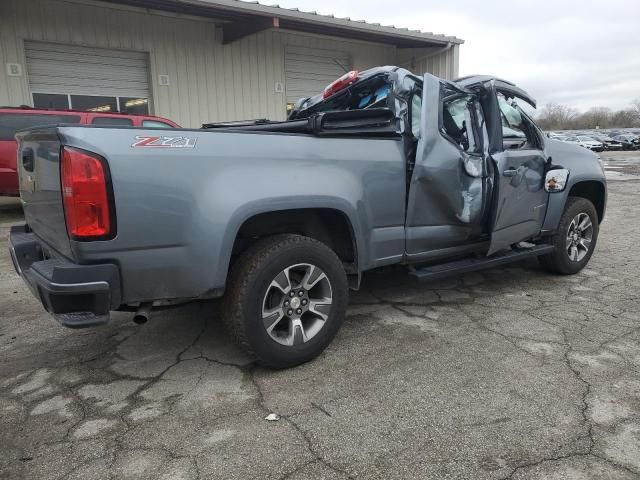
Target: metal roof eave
(294, 19)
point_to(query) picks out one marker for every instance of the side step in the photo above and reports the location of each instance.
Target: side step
(442, 270)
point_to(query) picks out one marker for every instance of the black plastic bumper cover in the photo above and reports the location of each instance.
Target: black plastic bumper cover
(76, 295)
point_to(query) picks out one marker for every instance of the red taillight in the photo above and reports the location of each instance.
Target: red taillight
(341, 83)
(85, 195)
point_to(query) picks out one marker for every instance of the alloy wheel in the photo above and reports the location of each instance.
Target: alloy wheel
(297, 304)
(579, 237)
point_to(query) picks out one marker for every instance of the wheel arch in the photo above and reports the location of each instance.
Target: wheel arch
(327, 225)
(593, 189)
(331, 225)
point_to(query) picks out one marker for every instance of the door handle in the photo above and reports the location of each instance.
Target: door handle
(511, 172)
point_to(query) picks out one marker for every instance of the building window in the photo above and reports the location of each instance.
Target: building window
(139, 106)
(51, 100)
(92, 103)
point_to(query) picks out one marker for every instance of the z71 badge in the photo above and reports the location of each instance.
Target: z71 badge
(160, 141)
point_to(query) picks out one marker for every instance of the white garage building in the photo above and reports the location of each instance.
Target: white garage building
(193, 61)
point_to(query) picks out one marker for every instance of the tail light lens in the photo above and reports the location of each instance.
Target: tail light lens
(341, 83)
(86, 195)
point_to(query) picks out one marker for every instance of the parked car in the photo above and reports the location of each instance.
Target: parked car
(281, 218)
(14, 119)
(608, 142)
(585, 141)
(614, 133)
(628, 141)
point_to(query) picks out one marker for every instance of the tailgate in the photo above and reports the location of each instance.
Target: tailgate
(40, 189)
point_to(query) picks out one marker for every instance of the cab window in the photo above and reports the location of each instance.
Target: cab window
(112, 121)
(518, 132)
(155, 124)
(458, 124)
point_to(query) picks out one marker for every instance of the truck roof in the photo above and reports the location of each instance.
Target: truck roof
(508, 88)
(504, 86)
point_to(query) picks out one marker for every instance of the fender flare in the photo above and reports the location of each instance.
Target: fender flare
(249, 210)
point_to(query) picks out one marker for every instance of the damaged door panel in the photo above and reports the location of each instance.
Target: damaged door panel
(520, 199)
(448, 189)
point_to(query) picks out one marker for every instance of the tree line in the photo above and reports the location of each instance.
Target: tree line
(561, 117)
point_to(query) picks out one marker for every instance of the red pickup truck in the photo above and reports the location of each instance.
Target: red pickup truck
(13, 119)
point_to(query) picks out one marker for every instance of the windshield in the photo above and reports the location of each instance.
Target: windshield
(508, 132)
(586, 139)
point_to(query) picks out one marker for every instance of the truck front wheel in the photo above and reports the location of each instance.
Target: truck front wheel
(575, 239)
(286, 298)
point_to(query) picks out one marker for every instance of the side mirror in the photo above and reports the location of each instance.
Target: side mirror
(556, 180)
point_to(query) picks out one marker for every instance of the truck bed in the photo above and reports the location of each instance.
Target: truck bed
(181, 196)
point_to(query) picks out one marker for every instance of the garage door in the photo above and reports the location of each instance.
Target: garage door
(309, 70)
(83, 78)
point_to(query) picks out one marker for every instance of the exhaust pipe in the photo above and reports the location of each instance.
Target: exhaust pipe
(143, 313)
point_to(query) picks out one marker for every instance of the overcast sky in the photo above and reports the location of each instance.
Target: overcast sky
(578, 53)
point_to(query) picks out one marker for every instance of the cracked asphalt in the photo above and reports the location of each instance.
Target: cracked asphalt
(508, 373)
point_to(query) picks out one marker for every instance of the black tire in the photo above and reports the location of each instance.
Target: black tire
(559, 260)
(249, 280)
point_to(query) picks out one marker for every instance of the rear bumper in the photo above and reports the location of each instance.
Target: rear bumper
(76, 295)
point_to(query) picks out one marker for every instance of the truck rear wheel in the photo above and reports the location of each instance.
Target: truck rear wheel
(575, 239)
(286, 299)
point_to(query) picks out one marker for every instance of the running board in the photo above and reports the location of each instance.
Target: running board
(434, 272)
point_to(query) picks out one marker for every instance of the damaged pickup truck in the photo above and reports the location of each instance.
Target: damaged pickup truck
(280, 219)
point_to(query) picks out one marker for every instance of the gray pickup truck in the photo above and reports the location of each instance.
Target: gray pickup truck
(280, 219)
